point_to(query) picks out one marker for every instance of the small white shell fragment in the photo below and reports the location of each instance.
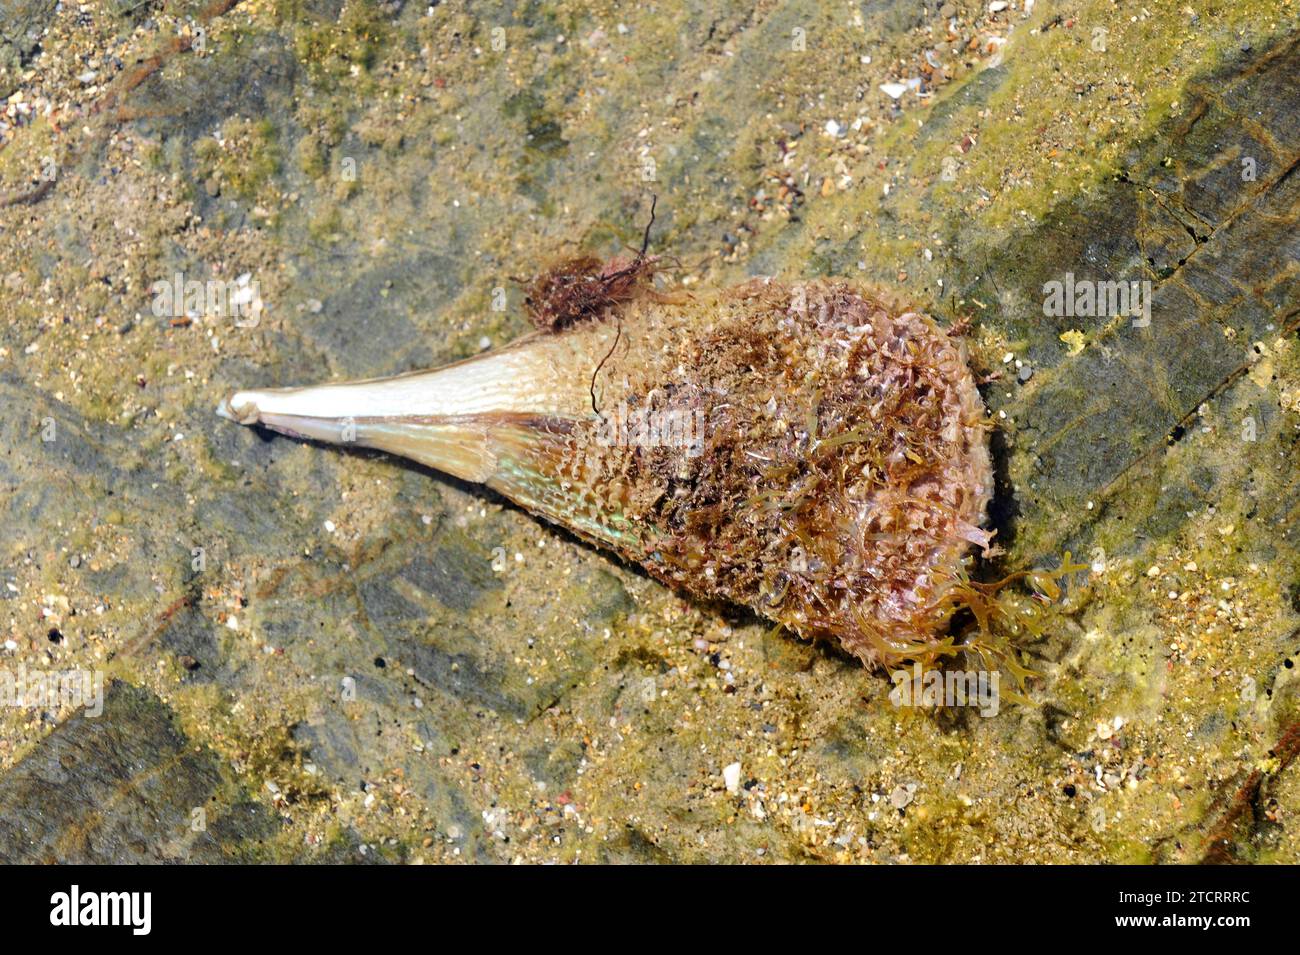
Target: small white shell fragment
(731, 777)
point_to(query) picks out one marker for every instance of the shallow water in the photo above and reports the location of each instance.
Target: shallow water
(343, 657)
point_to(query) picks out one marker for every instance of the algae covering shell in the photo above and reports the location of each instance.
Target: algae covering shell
(814, 451)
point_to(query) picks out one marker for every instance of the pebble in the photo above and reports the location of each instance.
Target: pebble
(902, 796)
(731, 777)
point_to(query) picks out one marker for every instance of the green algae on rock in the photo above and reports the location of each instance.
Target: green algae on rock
(814, 451)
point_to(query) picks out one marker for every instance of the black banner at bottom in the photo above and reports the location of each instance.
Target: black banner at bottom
(336, 904)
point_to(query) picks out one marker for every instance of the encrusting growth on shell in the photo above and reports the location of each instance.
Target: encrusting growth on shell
(814, 451)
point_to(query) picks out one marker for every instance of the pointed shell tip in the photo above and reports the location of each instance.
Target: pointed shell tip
(239, 408)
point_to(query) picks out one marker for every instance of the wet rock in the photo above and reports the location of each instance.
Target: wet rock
(365, 326)
(455, 574)
(351, 745)
(133, 758)
(1239, 243)
(193, 638)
